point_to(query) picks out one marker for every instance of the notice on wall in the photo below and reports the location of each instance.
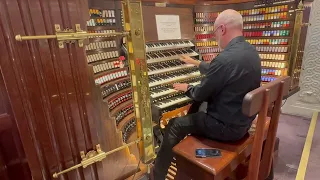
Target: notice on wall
(168, 27)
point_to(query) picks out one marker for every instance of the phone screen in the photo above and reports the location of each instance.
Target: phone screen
(202, 153)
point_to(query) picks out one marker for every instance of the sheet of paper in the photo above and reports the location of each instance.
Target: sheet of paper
(168, 27)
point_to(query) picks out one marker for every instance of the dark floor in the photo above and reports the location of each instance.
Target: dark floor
(292, 132)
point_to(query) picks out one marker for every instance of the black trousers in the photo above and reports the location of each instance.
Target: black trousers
(197, 124)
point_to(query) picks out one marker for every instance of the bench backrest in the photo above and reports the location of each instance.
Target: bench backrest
(258, 101)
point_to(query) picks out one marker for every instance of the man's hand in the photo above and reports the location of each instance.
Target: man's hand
(189, 60)
(181, 87)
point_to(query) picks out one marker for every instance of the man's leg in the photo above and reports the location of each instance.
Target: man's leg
(175, 131)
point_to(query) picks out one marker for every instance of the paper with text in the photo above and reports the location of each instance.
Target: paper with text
(168, 27)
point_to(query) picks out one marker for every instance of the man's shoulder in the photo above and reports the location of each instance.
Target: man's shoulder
(222, 57)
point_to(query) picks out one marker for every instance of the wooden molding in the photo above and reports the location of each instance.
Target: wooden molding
(202, 2)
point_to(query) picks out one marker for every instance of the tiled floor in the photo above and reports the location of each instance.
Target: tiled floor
(292, 132)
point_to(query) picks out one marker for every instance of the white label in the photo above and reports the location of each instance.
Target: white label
(160, 4)
(168, 27)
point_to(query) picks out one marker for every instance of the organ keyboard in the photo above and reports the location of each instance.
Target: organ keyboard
(159, 91)
(167, 66)
(165, 55)
(173, 76)
(168, 45)
(165, 69)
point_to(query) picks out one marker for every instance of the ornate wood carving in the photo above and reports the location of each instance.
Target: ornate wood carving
(208, 2)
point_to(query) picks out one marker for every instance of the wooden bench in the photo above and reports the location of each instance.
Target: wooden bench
(248, 155)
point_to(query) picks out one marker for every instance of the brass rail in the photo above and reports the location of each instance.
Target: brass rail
(298, 24)
(69, 35)
(132, 15)
(94, 156)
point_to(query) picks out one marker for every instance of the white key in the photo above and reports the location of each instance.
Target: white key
(177, 78)
(170, 69)
(169, 91)
(154, 60)
(163, 93)
(173, 102)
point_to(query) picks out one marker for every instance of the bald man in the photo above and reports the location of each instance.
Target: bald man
(228, 78)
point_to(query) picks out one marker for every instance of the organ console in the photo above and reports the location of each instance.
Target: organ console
(68, 106)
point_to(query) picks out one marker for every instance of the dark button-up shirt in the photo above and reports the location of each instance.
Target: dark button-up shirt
(228, 78)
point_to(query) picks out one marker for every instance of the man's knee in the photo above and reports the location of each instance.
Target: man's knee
(174, 123)
(174, 127)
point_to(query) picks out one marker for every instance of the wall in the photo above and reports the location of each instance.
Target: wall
(307, 99)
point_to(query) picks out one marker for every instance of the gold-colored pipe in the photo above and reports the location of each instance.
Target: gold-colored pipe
(101, 34)
(122, 147)
(69, 36)
(94, 156)
(55, 175)
(22, 38)
(295, 41)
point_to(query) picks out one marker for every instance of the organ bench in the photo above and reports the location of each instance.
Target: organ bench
(249, 158)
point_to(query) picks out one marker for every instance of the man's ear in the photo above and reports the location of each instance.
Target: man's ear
(223, 30)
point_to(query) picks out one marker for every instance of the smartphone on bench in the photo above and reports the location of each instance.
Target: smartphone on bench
(207, 152)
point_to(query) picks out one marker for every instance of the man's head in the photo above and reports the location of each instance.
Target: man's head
(228, 25)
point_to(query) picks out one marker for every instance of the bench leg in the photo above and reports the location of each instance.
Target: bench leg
(271, 175)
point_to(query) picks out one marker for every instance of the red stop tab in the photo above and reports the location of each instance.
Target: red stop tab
(121, 58)
(138, 60)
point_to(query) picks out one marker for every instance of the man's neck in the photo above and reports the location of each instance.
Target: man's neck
(231, 37)
(235, 35)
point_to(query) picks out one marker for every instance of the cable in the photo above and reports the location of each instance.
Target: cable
(138, 167)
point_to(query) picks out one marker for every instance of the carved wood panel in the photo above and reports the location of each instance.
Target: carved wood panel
(52, 92)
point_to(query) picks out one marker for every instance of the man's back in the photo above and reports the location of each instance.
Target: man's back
(242, 74)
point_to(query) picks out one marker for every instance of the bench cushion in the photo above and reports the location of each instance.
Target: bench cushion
(232, 153)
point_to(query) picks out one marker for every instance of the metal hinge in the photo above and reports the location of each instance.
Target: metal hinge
(70, 36)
